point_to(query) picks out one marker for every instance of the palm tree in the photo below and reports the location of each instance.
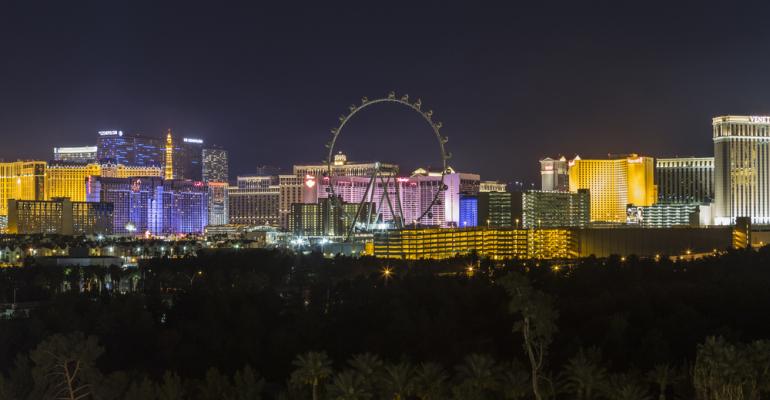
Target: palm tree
(514, 381)
(349, 385)
(625, 387)
(478, 377)
(312, 369)
(370, 367)
(430, 381)
(662, 376)
(397, 381)
(584, 375)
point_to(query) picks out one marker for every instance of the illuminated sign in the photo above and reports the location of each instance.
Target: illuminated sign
(191, 140)
(73, 150)
(637, 160)
(759, 119)
(309, 181)
(110, 133)
(136, 186)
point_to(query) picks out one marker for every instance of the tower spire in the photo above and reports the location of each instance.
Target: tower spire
(169, 167)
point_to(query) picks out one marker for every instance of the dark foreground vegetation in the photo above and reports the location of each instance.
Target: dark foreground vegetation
(271, 325)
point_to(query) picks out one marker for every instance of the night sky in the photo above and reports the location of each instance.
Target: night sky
(267, 82)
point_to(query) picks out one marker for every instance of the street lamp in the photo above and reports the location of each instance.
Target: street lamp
(387, 273)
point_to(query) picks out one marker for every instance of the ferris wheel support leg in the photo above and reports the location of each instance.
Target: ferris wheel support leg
(400, 221)
(358, 211)
(387, 197)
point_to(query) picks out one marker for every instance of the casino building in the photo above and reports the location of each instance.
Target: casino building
(154, 205)
(613, 184)
(741, 168)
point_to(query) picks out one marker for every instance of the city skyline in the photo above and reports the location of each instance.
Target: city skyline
(497, 78)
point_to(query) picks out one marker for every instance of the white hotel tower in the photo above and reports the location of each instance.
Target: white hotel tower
(741, 168)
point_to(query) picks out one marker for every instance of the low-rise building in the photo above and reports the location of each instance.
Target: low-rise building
(59, 216)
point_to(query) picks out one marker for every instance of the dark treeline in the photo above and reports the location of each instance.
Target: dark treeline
(277, 325)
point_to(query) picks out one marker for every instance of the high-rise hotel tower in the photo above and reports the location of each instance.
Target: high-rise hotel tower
(741, 168)
(614, 184)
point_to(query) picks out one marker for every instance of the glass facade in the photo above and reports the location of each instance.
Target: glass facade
(469, 211)
(556, 209)
(685, 180)
(129, 149)
(215, 165)
(188, 159)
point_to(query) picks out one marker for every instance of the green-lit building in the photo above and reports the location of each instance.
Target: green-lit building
(544, 209)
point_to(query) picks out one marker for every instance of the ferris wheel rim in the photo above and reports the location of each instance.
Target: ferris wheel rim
(416, 107)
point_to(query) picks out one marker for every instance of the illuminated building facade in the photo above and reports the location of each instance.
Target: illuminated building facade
(218, 203)
(129, 149)
(495, 243)
(556, 209)
(188, 159)
(70, 180)
(414, 195)
(685, 180)
(59, 216)
(215, 165)
(289, 192)
(556, 243)
(492, 186)
(21, 180)
(500, 209)
(323, 218)
(741, 169)
(254, 201)
(84, 154)
(469, 211)
(554, 175)
(154, 205)
(614, 184)
(342, 167)
(665, 215)
(168, 166)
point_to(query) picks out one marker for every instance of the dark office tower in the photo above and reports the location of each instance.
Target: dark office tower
(188, 159)
(114, 147)
(148, 151)
(129, 149)
(499, 209)
(268, 170)
(215, 166)
(685, 180)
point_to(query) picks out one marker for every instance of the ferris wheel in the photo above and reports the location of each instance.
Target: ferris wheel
(382, 194)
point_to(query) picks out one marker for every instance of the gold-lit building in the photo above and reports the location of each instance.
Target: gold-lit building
(59, 216)
(495, 243)
(21, 180)
(70, 180)
(614, 184)
(168, 169)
